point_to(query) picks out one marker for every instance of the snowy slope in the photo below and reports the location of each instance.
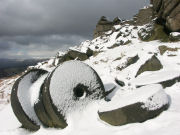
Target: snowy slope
(106, 62)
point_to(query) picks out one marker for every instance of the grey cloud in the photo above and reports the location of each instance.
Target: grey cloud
(29, 26)
(47, 39)
(36, 46)
(78, 17)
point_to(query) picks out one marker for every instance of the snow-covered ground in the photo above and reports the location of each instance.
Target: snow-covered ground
(107, 63)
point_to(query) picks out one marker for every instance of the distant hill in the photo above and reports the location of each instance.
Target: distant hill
(10, 67)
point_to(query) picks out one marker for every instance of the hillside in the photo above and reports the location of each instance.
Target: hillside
(140, 60)
(11, 67)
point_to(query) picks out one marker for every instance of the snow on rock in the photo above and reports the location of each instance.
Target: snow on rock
(156, 77)
(24, 95)
(156, 101)
(74, 84)
(175, 34)
(124, 98)
(28, 93)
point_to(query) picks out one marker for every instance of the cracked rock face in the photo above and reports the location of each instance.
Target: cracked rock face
(168, 11)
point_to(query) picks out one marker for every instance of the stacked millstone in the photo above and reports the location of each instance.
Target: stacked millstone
(42, 98)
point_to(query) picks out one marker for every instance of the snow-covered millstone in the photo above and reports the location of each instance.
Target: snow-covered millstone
(71, 86)
(24, 95)
(137, 106)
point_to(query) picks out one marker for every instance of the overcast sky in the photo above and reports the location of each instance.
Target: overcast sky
(40, 28)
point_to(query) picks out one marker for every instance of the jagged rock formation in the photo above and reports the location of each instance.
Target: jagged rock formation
(105, 25)
(153, 31)
(144, 16)
(72, 55)
(152, 64)
(168, 13)
(102, 26)
(117, 21)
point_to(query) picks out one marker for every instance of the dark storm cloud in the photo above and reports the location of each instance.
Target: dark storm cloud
(36, 46)
(19, 17)
(46, 39)
(4, 46)
(56, 23)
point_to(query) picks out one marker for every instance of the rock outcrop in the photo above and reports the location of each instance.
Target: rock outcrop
(153, 31)
(102, 26)
(138, 111)
(105, 25)
(152, 64)
(72, 55)
(144, 16)
(168, 13)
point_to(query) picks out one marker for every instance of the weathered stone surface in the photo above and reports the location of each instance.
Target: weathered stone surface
(156, 4)
(73, 54)
(130, 114)
(76, 54)
(174, 36)
(164, 48)
(165, 82)
(102, 26)
(75, 92)
(41, 111)
(117, 21)
(57, 119)
(168, 12)
(16, 105)
(153, 32)
(173, 23)
(144, 16)
(152, 64)
(130, 61)
(89, 52)
(170, 82)
(119, 82)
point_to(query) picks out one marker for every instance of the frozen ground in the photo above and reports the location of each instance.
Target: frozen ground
(87, 122)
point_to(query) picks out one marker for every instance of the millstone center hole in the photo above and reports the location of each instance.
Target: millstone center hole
(79, 90)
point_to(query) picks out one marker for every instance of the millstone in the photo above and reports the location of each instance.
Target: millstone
(70, 86)
(21, 86)
(39, 98)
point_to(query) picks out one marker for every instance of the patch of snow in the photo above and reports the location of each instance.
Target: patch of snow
(124, 98)
(28, 93)
(156, 77)
(175, 34)
(8, 120)
(157, 101)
